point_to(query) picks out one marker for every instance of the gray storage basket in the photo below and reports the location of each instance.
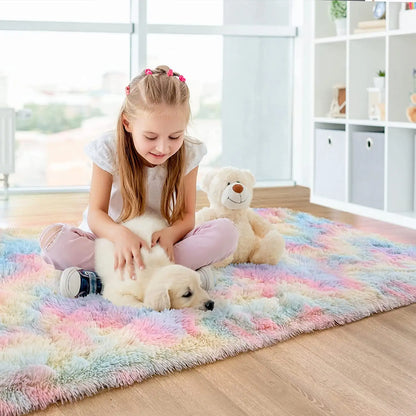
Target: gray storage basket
(330, 164)
(367, 169)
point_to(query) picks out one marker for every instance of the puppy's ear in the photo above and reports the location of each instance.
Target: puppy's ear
(157, 298)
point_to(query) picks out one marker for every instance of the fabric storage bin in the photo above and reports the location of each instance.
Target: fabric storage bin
(330, 164)
(367, 169)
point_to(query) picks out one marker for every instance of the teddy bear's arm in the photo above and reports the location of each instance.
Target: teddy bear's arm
(204, 215)
(259, 225)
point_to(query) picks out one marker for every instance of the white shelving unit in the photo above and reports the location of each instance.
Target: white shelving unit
(385, 162)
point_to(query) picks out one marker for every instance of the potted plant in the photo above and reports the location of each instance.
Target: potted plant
(379, 79)
(338, 13)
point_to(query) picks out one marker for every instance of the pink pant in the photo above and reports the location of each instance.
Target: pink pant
(206, 244)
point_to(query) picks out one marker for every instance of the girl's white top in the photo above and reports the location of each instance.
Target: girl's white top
(103, 153)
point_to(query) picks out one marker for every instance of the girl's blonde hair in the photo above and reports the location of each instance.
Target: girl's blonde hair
(145, 92)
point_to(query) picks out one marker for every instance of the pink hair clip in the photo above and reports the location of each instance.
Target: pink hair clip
(148, 72)
(182, 78)
(128, 90)
(170, 73)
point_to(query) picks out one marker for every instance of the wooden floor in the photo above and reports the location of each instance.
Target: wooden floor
(367, 368)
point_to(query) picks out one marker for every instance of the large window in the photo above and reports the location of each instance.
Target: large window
(64, 94)
(66, 62)
(63, 69)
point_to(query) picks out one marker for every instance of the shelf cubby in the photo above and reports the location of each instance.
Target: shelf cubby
(367, 57)
(324, 26)
(329, 71)
(402, 61)
(359, 12)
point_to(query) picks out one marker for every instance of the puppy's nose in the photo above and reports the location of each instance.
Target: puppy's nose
(238, 188)
(209, 305)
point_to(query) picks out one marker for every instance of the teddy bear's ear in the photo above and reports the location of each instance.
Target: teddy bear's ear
(207, 177)
(249, 178)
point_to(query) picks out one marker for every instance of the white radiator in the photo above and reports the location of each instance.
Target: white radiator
(7, 141)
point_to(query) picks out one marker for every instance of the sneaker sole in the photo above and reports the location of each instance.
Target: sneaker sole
(70, 282)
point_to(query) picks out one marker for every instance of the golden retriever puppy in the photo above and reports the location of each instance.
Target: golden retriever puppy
(160, 285)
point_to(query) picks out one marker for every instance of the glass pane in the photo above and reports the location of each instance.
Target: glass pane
(258, 12)
(257, 106)
(185, 12)
(203, 72)
(64, 95)
(66, 10)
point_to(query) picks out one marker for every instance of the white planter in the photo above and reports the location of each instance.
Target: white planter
(341, 26)
(378, 82)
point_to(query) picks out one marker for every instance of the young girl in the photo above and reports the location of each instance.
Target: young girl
(147, 165)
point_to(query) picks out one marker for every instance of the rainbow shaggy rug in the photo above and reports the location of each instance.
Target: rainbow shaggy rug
(56, 349)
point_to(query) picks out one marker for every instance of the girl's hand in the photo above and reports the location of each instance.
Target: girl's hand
(165, 240)
(127, 252)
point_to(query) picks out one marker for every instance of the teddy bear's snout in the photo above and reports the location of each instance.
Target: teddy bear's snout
(238, 188)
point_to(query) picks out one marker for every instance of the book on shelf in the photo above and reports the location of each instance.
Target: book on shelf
(356, 31)
(370, 26)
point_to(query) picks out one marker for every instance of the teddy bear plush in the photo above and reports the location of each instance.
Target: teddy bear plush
(230, 191)
(411, 110)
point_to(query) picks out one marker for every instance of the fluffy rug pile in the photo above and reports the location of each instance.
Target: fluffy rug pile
(56, 349)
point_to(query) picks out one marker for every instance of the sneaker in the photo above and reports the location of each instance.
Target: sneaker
(207, 277)
(76, 282)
